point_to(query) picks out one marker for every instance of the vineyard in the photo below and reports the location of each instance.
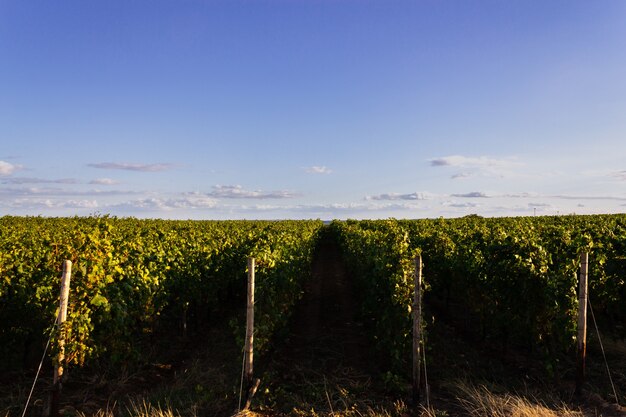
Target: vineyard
(508, 283)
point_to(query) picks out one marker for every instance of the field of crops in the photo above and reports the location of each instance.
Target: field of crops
(513, 280)
(132, 278)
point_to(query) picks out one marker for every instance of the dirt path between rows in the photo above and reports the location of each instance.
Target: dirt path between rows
(326, 328)
(325, 362)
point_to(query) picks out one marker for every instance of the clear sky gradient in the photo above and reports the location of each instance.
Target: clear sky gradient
(312, 108)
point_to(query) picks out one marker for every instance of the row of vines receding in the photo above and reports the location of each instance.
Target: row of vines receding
(132, 279)
(513, 281)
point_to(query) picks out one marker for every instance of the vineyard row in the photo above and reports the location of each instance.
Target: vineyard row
(513, 278)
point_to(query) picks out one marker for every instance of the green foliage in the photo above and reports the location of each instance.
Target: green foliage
(132, 277)
(381, 259)
(515, 279)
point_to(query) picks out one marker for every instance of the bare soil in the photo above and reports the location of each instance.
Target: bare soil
(326, 362)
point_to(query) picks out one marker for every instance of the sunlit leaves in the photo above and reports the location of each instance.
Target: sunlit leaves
(131, 277)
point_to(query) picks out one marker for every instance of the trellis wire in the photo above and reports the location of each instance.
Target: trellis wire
(426, 376)
(243, 364)
(606, 363)
(43, 357)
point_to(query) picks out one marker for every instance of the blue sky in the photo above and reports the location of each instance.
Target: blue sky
(312, 108)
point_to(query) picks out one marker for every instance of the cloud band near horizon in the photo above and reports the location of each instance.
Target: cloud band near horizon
(160, 167)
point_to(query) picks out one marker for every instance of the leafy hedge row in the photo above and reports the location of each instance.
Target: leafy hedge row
(133, 277)
(519, 276)
(515, 279)
(380, 257)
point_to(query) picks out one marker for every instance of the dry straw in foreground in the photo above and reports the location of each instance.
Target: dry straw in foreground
(481, 402)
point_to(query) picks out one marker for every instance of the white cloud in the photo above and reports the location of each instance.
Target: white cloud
(27, 180)
(237, 191)
(31, 191)
(343, 210)
(473, 162)
(7, 168)
(60, 192)
(318, 170)
(520, 195)
(168, 204)
(539, 205)
(263, 207)
(104, 181)
(356, 207)
(461, 175)
(460, 205)
(80, 203)
(473, 194)
(477, 166)
(480, 194)
(620, 175)
(195, 203)
(396, 196)
(39, 204)
(589, 197)
(133, 167)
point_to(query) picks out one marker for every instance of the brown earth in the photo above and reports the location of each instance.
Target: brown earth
(326, 362)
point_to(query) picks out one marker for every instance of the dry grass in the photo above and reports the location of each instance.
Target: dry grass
(432, 412)
(99, 413)
(481, 402)
(145, 409)
(136, 409)
(398, 409)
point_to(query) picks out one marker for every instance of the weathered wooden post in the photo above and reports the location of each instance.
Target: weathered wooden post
(250, 385)
(57, 383)
(417, 328)
(582, 322)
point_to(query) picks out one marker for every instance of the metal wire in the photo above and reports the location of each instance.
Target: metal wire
(606, 363)
(426, 375)
(243, 364)
(43, 357)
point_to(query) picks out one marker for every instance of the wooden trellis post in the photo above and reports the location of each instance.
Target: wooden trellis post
(57, 381)
(582, 322)
(250, 384)
(417, 329)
